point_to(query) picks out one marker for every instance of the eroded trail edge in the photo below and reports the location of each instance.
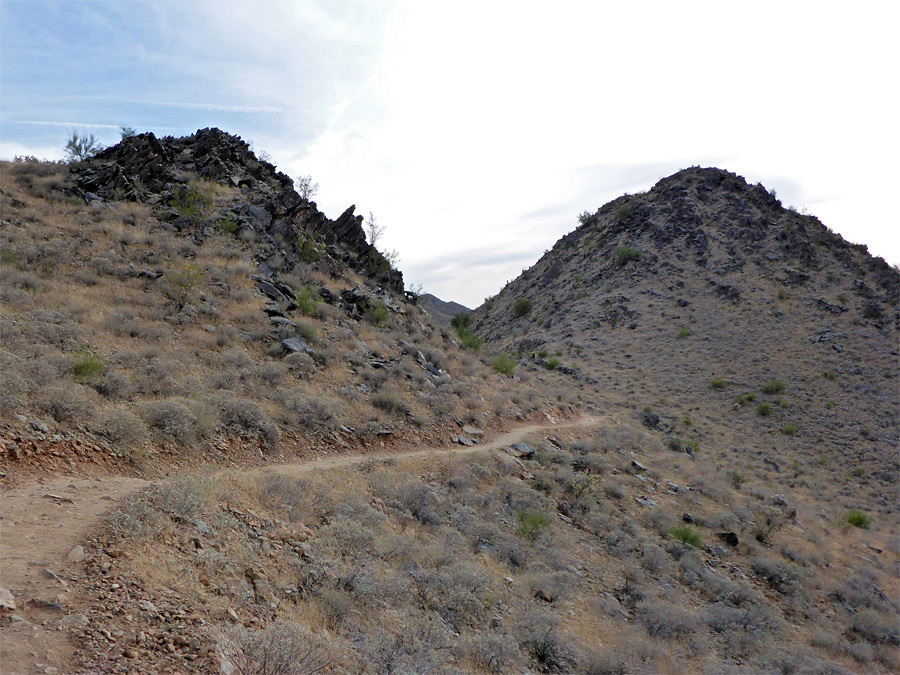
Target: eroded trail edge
(42, 526)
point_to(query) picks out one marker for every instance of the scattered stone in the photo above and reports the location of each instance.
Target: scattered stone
(295, 345)
(637, 465)
(729, 538)
(148, 606)
(76, 554)
(687, 518)
(779, 500)
(462, 440)
(520, 450)
(472, 431)
(7, 600)
(645, 501)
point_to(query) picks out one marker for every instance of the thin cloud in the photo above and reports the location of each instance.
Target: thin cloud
(87, 125)
(216, 107)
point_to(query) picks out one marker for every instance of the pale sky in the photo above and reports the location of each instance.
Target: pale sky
(476, 132)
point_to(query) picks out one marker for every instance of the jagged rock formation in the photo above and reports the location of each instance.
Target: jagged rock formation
(158, 171)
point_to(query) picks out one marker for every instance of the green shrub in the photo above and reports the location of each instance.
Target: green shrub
(228, 224)
(747, 397)
(180, 282)
(86, 365)
(764, 409)
(717, 383)
(531, 523)
(736, 478)
(552, 363)
(683, 333)
(688, 534)
(461, 321)
(830, 375)
(773, 387)
(584, 217)
(8, 257)
(503, 363)
(789, 429)
(471, 341)
(623, 211)
(306, 249)
(865, 432)
(857, 518)
(307, 299)
(782, 295)
(376, 313)
(189, 202)
(522, 306)
(624, 254)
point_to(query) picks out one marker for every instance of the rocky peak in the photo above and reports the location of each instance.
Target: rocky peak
(159, 171)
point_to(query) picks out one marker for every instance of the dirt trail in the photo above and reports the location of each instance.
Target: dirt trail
(41, 524)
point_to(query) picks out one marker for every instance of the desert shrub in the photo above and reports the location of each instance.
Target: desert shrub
(189, 201)
(123, 427)
(229, 224)
(552, 586)
(493, 652)
(307, 299)
(764, 410)
(625, 254)
(242, 415)
(717, 383)
(390, 400)
(85, 365)
(688, 534)
(765, 521)
(531, 523)
(665, 620)
(747, 397)
(873, 627)
(623, 211)
(542, 640)
(376, 313)
(522, 306)
(858, 518)
(282, 648)
(72, 404)
(503, 363)
(789, 429)
(179, 283)
(171, 417)
(736, 478)
(422, 502)
(784, 577)
(348, 537)
(311, 411)
(552, 363)
(773, 387)
(136, 521)
(470, 341)
(12, 390)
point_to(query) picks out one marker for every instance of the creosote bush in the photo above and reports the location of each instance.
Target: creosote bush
(625, 254)
(858, 518)
(687, 534)
(522, 306)
(503, 363)
(773, 387)
(531, 523)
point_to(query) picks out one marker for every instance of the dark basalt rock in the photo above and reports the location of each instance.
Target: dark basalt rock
(156, 171)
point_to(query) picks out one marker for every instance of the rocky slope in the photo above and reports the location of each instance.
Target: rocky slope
(727, 321)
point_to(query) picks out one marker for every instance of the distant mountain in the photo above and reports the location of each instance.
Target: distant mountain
(706, 305)
(440, 310)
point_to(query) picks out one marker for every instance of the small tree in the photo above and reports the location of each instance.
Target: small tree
(374, 230)
(584, 217)
(81, 147)
(306, 188)
(126, 131)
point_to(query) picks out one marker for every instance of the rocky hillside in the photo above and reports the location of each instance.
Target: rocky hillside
(440, 310)
(690, 299)
(727, 322)
(177, 298)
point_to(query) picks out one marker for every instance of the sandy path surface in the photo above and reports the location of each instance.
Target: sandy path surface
(41, 524)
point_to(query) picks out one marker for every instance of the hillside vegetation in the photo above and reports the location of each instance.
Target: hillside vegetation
(708, 484)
